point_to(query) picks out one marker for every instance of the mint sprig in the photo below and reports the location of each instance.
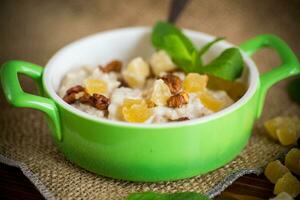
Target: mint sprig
(164, 196)
(228, 65)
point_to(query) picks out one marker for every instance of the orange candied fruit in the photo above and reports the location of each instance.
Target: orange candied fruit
(136, 110)
(95, 86)
(292, 160)
(275, 170)
(284, 129)
(195, 82)
(289, 184)
(210, 102)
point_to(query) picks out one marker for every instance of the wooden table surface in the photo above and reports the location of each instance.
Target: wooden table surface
(23, 35)
(14, 185)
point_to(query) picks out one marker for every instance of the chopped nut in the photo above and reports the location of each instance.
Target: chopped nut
(86, 99)
(75, 89)
(70, 98)
(173, 82)
(178, 100)
(100, 102)
(123, 83)
(113, 66)
(180, 119)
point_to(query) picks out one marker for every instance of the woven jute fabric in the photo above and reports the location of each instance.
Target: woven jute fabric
(34, 30)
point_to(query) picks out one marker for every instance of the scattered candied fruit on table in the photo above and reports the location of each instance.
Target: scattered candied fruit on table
(136, 72)
(135, 110)
(289, 184)
(210, 102)
(275, 170)
(284, 129)
(161, 93)
(292, 160)
(95, 86)
(195, 82)
(283, 196)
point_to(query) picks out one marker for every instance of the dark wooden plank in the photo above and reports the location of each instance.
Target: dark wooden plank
(14, 185)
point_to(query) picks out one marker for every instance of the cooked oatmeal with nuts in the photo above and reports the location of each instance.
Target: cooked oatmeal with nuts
(142, 92)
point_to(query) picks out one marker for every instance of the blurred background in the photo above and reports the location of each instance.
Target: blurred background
(34, 30)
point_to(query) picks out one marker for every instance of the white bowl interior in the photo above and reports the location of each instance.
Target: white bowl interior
(125, 44)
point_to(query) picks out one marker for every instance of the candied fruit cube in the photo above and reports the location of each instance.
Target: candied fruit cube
(286, 136)
(161, 62)
(233, 88)
(135, 110)
(289, 184)
(210, 102)
(283, 196)
(161, 93)
(275, 170)
(292, 160)
(136, 72)
(284, 129)
(195, 82)
(95, 86)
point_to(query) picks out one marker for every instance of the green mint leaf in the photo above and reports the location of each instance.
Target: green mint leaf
(162, 29)
(161, 196)
(175, 47)
(293, 90)
(206, 47)
(228, 65)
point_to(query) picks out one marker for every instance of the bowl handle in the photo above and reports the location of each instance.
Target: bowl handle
(290, 65)
(17, 97)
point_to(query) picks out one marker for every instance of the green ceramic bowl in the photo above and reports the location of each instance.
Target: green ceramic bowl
(139, 152)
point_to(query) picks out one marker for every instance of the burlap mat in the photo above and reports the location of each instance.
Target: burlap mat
(44, 27)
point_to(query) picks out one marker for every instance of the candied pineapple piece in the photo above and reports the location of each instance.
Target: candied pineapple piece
(233, 88)
(284, 129)
(292, 160)
(286, 136)
(161, 62)
(283, 196)
(289, 184)
(95, 86)
(136, 72)
(210, 102)
(275, 170)
(135, 110)
(195, 82)
(161, 93)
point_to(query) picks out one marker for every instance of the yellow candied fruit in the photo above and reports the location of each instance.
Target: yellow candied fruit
(284, 129)
(195, 82)
(233, 88)
(161, 93)
(136, 72)
(292, 160)
(283, 196)
(275, 170)
(210, 102)
(289, 184)
(135, 110)
(95, 86)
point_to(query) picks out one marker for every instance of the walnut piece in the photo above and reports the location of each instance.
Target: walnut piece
(173, 82)
(75, 89)
(71, 94)
(70, 98)
(100, 102)
(113, 66)
(180, 119)
(178, 100)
